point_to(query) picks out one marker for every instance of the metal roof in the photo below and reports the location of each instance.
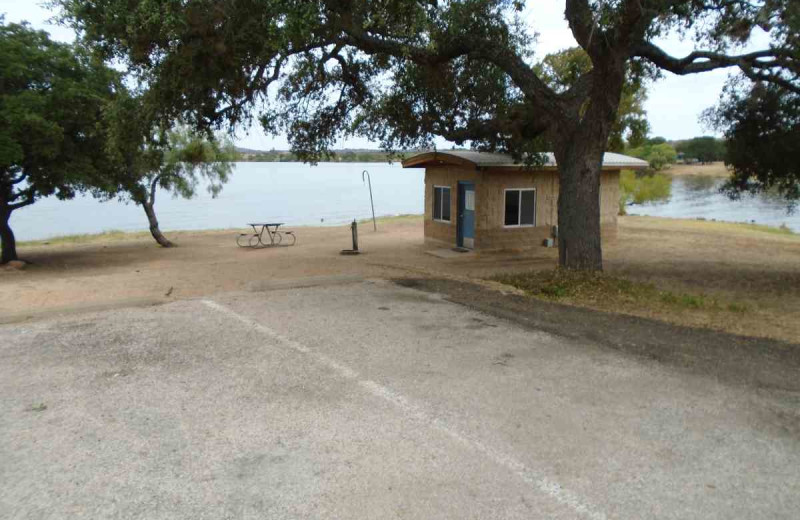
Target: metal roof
(611, 161)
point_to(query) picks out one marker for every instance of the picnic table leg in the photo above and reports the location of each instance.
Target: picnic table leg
(258, 235)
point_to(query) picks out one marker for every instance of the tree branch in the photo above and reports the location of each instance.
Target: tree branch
(581, 23)
(579, 91)
(27, 202)
(758, 66)
(535, 90)
(153, 187)
(22, 177)
(517, 123)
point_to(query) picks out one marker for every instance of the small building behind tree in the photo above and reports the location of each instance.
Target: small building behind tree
(484, 201)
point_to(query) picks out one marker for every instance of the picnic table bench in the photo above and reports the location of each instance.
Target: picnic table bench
(268, 236)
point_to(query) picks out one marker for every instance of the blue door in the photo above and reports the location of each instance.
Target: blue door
(466, 215)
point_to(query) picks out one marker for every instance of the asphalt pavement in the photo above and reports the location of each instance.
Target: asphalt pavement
(368, 400)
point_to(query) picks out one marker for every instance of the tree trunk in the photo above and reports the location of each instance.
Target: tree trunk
(149, 210)
(579, 153)
(579, 243)
(9, 243)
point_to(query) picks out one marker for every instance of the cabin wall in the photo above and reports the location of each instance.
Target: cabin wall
(609, 203)
(490, 186)
(491, 231)
(444, 233)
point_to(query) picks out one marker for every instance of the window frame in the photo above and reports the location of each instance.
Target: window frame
(441, 202)
(519, 211)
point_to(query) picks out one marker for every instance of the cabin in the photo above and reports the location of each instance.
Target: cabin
(484, 201)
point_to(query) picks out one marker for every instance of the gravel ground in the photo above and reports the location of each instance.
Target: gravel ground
(373, 400)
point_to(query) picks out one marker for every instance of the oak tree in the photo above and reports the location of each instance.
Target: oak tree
(405, 71)
(150, 156)
(51, 99)
(761, 124)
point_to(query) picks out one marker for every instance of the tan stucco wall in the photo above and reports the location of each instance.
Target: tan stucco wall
(445, 176)
(490, 186)
(609, 198)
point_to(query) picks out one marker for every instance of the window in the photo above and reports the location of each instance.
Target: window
(441, 203)
(520, 208)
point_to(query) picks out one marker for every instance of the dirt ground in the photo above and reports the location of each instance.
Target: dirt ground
(732, 262)
(716, 169)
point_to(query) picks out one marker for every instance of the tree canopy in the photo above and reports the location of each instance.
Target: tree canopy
(705, 149)
(561, 70)
(150, 156)
(402, 72)
(51, 99)
(659, 156)
(762, 128)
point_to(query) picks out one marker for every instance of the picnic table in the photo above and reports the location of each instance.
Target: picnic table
(270, 230)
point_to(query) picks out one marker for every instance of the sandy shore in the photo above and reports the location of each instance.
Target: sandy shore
(716, 169)
(728, 261)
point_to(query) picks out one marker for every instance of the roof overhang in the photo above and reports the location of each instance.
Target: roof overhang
(423, 160)
(483, 161)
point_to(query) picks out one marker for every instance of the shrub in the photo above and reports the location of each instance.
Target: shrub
(638, 189)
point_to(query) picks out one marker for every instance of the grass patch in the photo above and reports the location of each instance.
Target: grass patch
(783, 229)
(609, 292)
(112, 234)
(394, 218)
(741, 227)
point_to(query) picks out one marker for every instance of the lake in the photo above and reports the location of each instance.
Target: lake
(333, 193)
(699, 197)
(294, 193)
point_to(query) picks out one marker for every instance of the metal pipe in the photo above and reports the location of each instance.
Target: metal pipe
(354, 229)
(369, 180)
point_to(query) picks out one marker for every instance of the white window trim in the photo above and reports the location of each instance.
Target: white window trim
(433, 205)
(519, 213)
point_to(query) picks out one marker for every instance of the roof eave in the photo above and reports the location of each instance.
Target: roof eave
(438, 158)
(428, 158)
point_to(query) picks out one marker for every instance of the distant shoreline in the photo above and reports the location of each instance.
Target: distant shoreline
(715, 169)
(115, 235)
(348, 156)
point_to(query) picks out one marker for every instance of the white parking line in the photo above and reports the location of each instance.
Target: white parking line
(528, 475)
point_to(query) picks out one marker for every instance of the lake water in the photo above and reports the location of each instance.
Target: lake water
(333, 193)
(294, 193)
(699, 197)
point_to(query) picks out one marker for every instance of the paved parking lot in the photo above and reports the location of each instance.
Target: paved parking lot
(368, 400)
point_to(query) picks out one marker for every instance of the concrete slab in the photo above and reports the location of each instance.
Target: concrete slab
(450, 253)
(367, 400)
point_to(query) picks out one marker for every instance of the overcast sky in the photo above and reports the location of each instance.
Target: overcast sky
(673, 106)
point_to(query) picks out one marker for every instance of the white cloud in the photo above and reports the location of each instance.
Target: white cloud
(38, 16)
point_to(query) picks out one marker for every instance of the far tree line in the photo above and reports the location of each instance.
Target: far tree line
(660, 153)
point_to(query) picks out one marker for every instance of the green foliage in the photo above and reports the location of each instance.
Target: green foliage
(52, 96)
(601, 289)
(659, 156)
(704, 149)
(563, 69)
(172, 159)
(190, 157)
(403, 72)
(762, 126)
(637, 188)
